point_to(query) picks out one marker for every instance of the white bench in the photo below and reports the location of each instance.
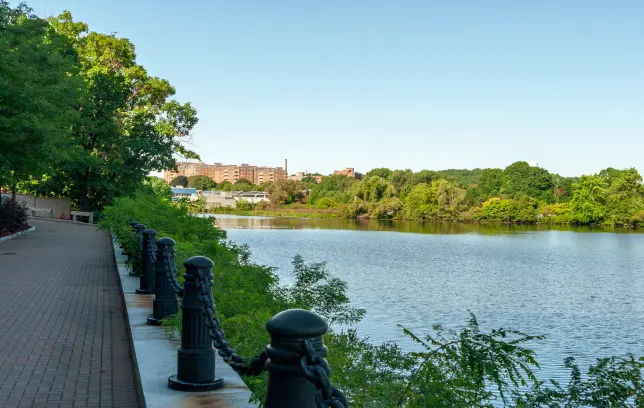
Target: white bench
(83, 214)
(34, 211)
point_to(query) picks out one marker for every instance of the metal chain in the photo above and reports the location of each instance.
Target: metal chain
(317, 371)
(242, 366)
(139, 233)
(171, 270)
(152, 250)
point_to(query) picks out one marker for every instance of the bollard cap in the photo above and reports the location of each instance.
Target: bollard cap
(297, 323)
(198, 262)
(149, 232)
(140, 227)
(165, 241)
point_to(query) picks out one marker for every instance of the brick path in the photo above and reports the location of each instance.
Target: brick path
(63, 339)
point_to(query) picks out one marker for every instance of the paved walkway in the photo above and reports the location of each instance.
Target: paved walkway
(63, 339)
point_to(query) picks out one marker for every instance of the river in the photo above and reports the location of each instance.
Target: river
(582, 288)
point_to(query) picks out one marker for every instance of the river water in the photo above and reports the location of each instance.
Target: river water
(582, 288)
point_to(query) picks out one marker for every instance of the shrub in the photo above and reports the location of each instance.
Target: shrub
(326, 203)
(13, 215)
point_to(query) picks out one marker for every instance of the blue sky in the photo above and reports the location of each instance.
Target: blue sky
(400, 84)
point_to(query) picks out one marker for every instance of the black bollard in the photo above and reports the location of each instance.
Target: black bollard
(287, 385)
(165, 300)
(138, 249)
(148, 254)
(196, 357)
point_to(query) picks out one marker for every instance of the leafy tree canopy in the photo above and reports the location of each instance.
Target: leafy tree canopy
(129, 124)
(39, 95)
(201, 182)
(179, 181)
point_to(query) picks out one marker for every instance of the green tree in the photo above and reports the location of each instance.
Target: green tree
(588, 203)
(286, 192)
(624, 197)
(129, 125)
(159, 187)
(226, 186)
(401, 178)
(521, 179)
(450, 199)
(563, 188)
(201, 183)
(179, 181)
(488, 185)
(383, 172)
(372, 189)
(39, 89)
(420, 203)
(334, 187)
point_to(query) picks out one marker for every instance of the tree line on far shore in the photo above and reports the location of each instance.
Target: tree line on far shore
(520, 193)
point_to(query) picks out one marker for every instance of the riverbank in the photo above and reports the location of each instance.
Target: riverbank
(319, 213)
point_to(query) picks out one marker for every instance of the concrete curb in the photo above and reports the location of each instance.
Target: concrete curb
(17, 234)
(135, 364)
(155, 356)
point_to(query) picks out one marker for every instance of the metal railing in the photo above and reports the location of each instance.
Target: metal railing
(298, 373)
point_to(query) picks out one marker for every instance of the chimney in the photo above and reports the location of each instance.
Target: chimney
(286, 166)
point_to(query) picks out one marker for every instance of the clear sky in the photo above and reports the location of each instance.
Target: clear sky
(400, 84)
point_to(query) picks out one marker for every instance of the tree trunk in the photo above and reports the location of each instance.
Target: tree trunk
(83, 192)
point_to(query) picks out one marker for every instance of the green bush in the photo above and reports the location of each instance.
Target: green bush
(13, 215)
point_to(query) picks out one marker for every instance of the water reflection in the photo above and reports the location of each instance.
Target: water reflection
(233, 221)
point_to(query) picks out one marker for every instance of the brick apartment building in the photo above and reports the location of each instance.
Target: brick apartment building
(349, 172)
(228, 172)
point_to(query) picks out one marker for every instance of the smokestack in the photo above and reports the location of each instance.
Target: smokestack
(286, 166)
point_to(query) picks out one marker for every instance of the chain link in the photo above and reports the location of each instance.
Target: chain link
(242, 366)
(171, 270)
(317, 371)
(152, 249)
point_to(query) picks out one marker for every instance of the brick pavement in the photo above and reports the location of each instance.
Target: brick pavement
(63, 339)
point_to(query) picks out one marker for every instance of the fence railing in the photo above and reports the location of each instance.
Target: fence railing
(298, 373)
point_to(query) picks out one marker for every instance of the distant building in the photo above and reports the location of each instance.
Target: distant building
(349, 172)
(304, 174)
(229, 172)
(183, 192)
(533, 163)
(229, 199)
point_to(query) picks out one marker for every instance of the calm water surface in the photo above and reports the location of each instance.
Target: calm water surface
(583, 288)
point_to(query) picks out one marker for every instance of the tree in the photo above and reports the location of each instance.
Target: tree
(563, 188)
(159, 187)
(226, 186)
(520, 179)
(243, 181)
(400, 178)
(179, 181)
(420, 203)
(334, 187)
(201, 182)
(488, 185)
(624, 197)
(588, 203)
(383, 172)
(129, 125)
(286, 192)
(372, 189)
(450, 199)
(39, 89)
